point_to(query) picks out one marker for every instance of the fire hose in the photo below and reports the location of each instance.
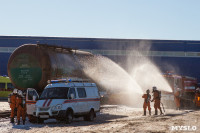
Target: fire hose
(162, 106)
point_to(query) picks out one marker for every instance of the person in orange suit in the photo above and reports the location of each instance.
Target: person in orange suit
(197, 97)
(156, 99)
(177, 99)
(12, 101)
(21, 107)
(147, 99)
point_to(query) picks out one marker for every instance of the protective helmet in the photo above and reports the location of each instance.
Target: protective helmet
(20, 93)
(154, 88)
(15, 91)
(147, 91)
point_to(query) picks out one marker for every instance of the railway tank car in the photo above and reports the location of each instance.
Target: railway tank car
(32, 65)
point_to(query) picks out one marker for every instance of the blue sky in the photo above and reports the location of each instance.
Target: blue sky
(134, 19)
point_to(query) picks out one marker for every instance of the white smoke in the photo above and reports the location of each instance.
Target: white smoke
(109, 74)
(147, 74)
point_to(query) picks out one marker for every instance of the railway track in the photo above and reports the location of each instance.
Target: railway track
(4, 114)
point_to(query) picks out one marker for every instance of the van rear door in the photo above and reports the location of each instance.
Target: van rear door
(31, 99)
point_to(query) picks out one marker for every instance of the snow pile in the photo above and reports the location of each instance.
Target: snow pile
(4, 106)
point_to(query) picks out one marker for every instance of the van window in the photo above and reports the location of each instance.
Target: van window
(31, 93)
(81, 92)
(55, 93)
(72, 91)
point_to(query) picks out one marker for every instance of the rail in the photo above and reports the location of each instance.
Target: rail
(4, 114)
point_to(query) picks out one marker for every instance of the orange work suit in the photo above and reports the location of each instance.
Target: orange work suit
(147, 98)
(197, 99)
(13, 98)
(156, 100)
(21, 111)
(177, 99)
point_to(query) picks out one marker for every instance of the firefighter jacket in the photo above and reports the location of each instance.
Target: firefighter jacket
(156, 95)
(13, 98)
(147, 98)
(20, 102)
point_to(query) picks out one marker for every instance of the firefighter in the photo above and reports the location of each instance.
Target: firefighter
(12, 101)
(156, 99)
(147, 99)
(21, 107)
(197, 97)
(177, 99)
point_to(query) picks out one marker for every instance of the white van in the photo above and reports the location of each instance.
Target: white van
(64, 101)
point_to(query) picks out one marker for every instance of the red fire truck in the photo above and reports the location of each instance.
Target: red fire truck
(186, 84)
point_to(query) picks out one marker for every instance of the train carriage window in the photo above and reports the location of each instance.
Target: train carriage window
(10, 86)
(2, 85)
(81, 92)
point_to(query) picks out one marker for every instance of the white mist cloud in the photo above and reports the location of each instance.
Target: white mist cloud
(147, 75)
(109, 74)
(143, 74)
(144, 71)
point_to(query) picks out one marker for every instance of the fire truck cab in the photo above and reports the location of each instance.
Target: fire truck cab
(64, 100)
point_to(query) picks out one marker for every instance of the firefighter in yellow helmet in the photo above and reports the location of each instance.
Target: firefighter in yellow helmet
(12, 101)
(21, 107)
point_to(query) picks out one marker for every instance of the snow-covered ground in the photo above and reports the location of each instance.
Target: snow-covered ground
(112, 118)
(4, 106)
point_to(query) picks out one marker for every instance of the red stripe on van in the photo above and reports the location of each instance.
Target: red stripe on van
(45, 102)
(49, 103)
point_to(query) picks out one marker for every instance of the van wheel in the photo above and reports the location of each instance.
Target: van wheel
(69, 116)
(90, 116)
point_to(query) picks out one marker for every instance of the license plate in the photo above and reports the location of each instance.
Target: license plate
(44, 116)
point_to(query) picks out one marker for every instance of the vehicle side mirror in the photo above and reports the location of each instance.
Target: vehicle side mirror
(34, 98)
(72, 96)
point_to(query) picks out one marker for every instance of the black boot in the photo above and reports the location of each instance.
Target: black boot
(144, 113)
(23, 122)
(11, 120)
(18, 122)
(149, 112)
(156, 112)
